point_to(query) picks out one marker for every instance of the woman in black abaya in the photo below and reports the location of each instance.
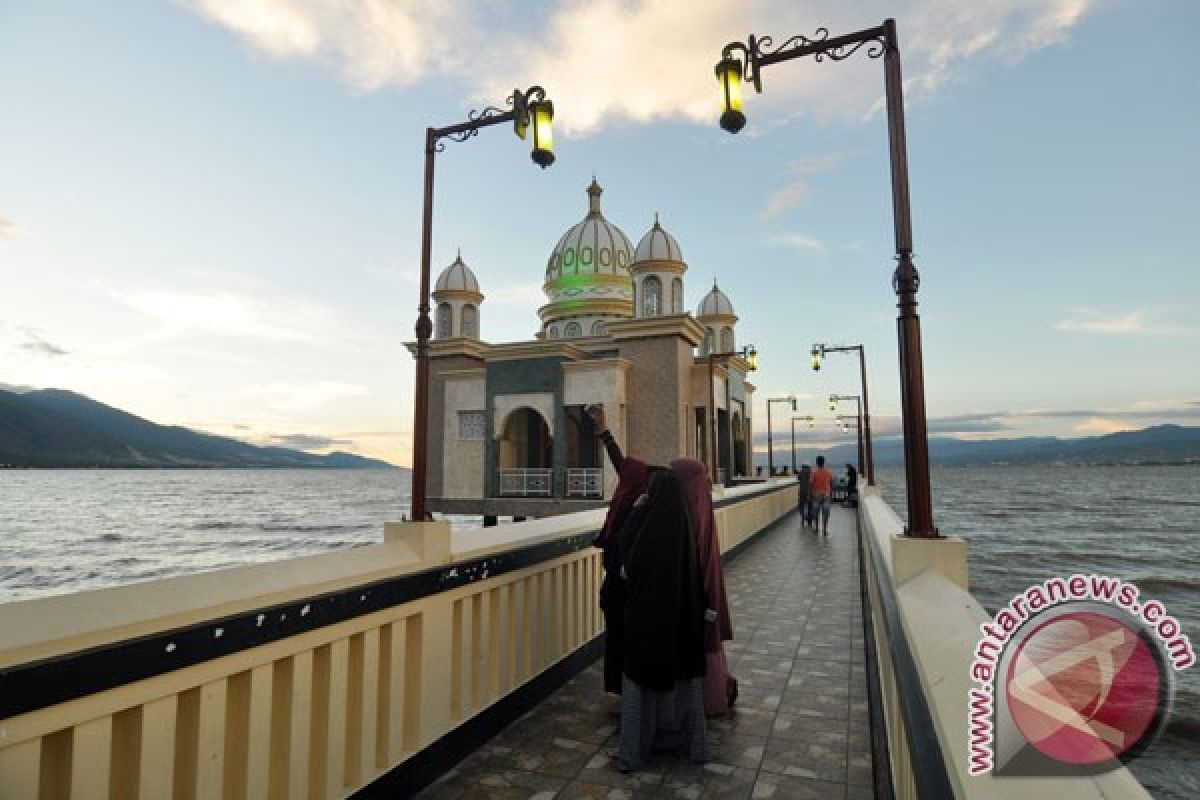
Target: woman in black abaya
(662, 689)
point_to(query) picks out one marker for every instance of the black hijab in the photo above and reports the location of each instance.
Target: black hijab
(664, 607)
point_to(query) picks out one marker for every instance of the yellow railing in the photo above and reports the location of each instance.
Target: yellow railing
(321, 713)
(939, 621)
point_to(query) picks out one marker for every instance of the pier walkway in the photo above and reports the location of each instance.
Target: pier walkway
(800, 727)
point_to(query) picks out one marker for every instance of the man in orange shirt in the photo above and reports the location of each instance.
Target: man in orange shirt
(822, 491)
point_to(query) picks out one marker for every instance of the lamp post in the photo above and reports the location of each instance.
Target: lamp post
(818, 352)
(857, 422)
(529, 109)
(833, 401)
(770, 453)
(750, 355)
(880, 41)
(811, 421)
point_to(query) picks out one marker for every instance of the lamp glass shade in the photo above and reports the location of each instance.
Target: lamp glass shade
(816, 359)
(729, 74)
(832, 404)
(752, 359)
(541, 115)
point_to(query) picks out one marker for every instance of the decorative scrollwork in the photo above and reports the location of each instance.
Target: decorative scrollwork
(820, 45)
(876, 49)
(766, 42)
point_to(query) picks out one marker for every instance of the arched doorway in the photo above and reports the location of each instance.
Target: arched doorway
(526, 455)
(739, 445)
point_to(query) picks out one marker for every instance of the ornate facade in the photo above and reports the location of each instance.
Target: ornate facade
(509, 434)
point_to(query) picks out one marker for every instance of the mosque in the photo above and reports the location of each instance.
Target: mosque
(508, 432)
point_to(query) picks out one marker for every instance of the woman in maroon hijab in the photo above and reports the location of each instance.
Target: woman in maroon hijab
(632, 479)
(720, 688)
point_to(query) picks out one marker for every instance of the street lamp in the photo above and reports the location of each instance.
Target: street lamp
(858, 420)
(749, 59)
(791, 398)
(748, 354)
(811, 421)
(818, 351)
(530, 108)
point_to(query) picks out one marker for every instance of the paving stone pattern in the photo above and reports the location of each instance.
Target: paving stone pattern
(799, 730)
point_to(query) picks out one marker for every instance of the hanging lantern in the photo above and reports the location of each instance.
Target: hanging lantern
(541, 116)
(816, 359)
(729, 74)
(752, 358)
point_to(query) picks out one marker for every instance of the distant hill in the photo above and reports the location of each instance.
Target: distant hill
(57, 428)
(1161, 444)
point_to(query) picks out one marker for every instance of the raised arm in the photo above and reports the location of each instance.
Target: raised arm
(600, 422)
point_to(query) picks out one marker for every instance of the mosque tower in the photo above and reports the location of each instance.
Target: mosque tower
(456, 298)
(587, 277)
(658, 268)
(715, 313)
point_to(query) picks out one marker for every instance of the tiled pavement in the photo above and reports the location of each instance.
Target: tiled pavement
(800, 726)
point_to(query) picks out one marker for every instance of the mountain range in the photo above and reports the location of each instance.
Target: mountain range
(58, 428)
(1160, 444)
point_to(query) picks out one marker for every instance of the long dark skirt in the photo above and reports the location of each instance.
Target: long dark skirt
(656, 722)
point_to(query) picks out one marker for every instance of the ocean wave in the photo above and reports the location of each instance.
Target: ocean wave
(327, 528)
(1158, 583)
(215, 525)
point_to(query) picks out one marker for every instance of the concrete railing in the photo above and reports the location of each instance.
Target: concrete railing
(310, 677)
(926, 626)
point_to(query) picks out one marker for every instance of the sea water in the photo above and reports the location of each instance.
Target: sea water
(66, 530)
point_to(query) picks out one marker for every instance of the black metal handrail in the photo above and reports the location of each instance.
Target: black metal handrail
(929, 771)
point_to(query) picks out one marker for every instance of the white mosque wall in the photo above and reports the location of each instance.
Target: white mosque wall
(463, 453)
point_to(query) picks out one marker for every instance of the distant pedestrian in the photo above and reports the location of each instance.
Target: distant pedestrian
(822, 493)
(851, 486)
(804, 494)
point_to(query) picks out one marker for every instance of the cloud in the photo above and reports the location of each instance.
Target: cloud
(9, 230)
(638, 60)
(1139, 322)
(220, 312)
(298, 397)
(1100, 425)
(374, 44)
(796, 241)
(1189, 410)
(306, 441)
(797, 189)
(39, 346)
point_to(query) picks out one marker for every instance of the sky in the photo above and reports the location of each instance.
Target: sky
(210, 209)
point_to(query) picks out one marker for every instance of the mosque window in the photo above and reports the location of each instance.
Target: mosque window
(708, 340)
(677, 296)
(470, 425)
(444, 321)
(470, 321)
(605, 256)
(573, 330)
(585, 255)
(727, 340)
(552, 332)
(651, 297)
(599, 328)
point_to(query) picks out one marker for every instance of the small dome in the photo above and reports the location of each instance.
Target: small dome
(658, 245)
(593, 246)
(715, 304)
(457, 277)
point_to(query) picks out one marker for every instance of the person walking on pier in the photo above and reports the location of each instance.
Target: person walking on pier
(720, 687)
(822, 493)
(804, 493)
(633, 476)
(851, 486)
(662, 687)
